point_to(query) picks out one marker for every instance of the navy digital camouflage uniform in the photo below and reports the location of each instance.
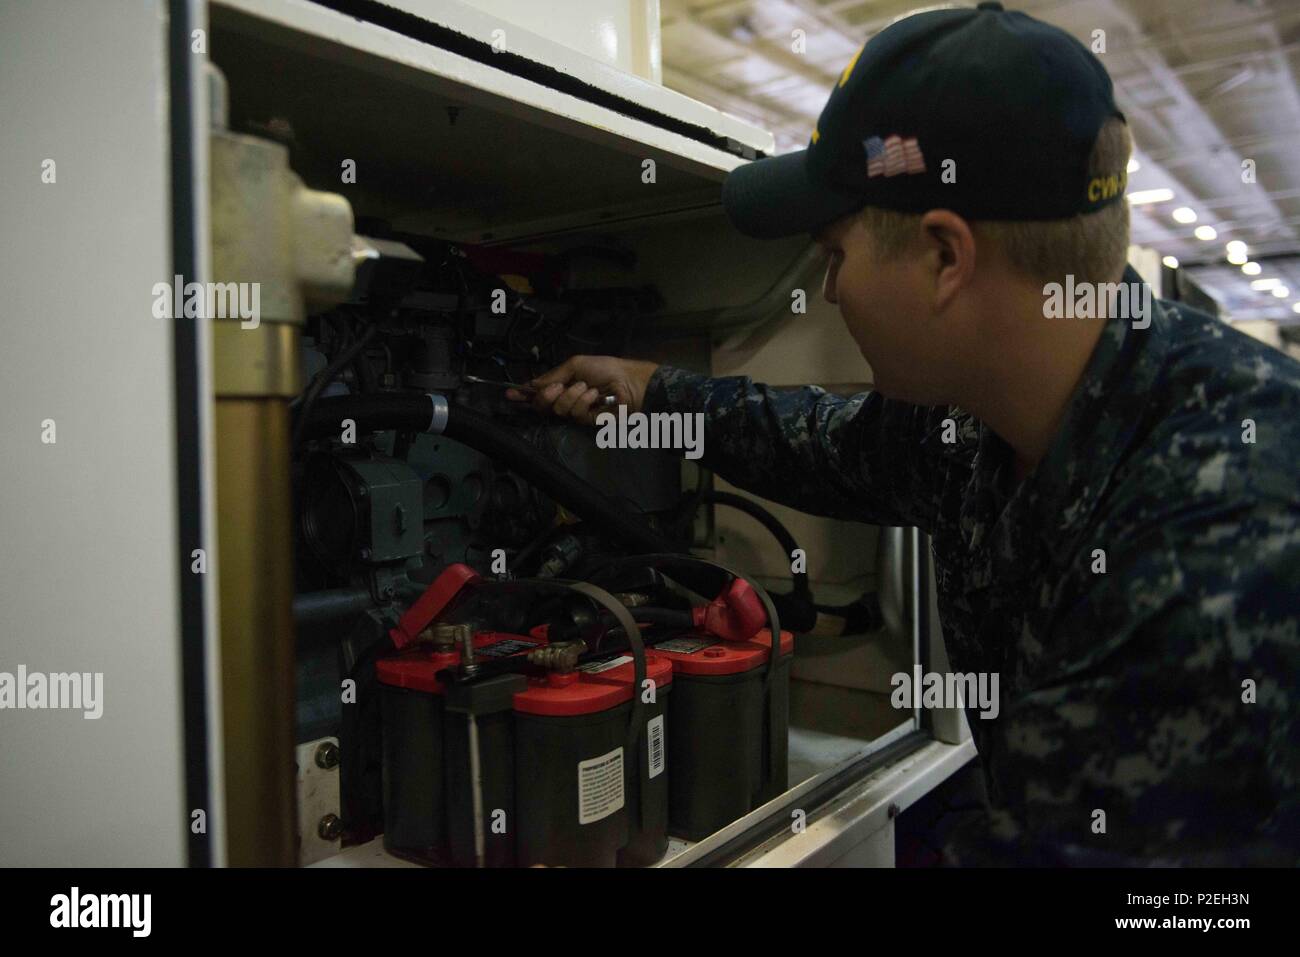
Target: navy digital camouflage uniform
(1120, 691)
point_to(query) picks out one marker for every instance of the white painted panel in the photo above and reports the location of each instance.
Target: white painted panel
(88, 570)
(622, 33)
(314, 19)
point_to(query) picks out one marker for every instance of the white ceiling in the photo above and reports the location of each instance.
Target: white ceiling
(1205, 84)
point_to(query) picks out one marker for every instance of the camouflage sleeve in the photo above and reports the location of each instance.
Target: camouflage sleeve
(859, 458)
(1166, 730)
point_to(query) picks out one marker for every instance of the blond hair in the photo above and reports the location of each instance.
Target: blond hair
(1093, 247)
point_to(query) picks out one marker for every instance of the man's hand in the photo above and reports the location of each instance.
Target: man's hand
(574, 389)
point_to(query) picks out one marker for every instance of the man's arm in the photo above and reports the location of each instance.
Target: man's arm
(859, 458)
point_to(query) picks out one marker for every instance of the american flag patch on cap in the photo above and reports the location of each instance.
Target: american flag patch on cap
(893, 155)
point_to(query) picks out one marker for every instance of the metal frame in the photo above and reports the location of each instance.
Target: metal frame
(201, 670)
(862, 816)
(769, 821)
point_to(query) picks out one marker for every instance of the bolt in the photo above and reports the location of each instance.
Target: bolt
(442, 635)
(327, 756)
(365, 554)
(466, 636)
(330, 828)
(893, 811)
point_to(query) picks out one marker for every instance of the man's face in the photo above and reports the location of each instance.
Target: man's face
(885, 304)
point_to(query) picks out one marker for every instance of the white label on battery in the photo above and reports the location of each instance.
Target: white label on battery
(655, 735)
(685, 646)
(600, 786)
(596, 667)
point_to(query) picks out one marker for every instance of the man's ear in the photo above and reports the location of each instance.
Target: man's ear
(950, 253)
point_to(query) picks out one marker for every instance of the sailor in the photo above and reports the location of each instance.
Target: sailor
(1112, 505)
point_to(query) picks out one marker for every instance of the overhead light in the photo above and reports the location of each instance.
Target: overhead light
(1282, 292)
(1134, 165)
(1251, 269)
(1170, 261)
(1144, 197)
(1237, 259)
(1206, 233)
(1268, 283)
(1236, 248)
(1185, 214)
(1296, 307)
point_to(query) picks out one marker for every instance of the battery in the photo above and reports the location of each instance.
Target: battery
(555, 784)
(581, 799)
(429, 807)
(728, 743)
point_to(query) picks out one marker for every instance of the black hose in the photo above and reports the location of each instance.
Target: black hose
(372, 413)
(798, 614)
(311, 608)
(664, 617)
(341, 362)
(772, 524)
(859, 616)
(377, 413)
(796, 609)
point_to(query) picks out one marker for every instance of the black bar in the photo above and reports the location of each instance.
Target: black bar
(185, 345)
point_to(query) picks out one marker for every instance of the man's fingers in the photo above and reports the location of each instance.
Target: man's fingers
(562, 374)
(565, 403)
(546, 395)
(582, 408)
(576, 387)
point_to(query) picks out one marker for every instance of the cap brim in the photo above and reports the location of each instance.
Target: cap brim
(774, 197)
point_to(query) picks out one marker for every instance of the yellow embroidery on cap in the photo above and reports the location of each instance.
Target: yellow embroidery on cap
(844, 77)
(1104, 187)
(816, 136)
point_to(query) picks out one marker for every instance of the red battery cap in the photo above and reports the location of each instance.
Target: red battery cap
(603, 686)
(417, 668)
(696, 654)
(431, 603)
(737, 614)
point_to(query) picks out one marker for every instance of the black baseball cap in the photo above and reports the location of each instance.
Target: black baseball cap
(986, 112)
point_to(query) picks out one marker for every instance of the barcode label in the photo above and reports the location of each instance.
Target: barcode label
(655, 742)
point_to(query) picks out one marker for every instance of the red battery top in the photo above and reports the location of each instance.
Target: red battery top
(693, 654)
(594, 687)
(417, 668)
